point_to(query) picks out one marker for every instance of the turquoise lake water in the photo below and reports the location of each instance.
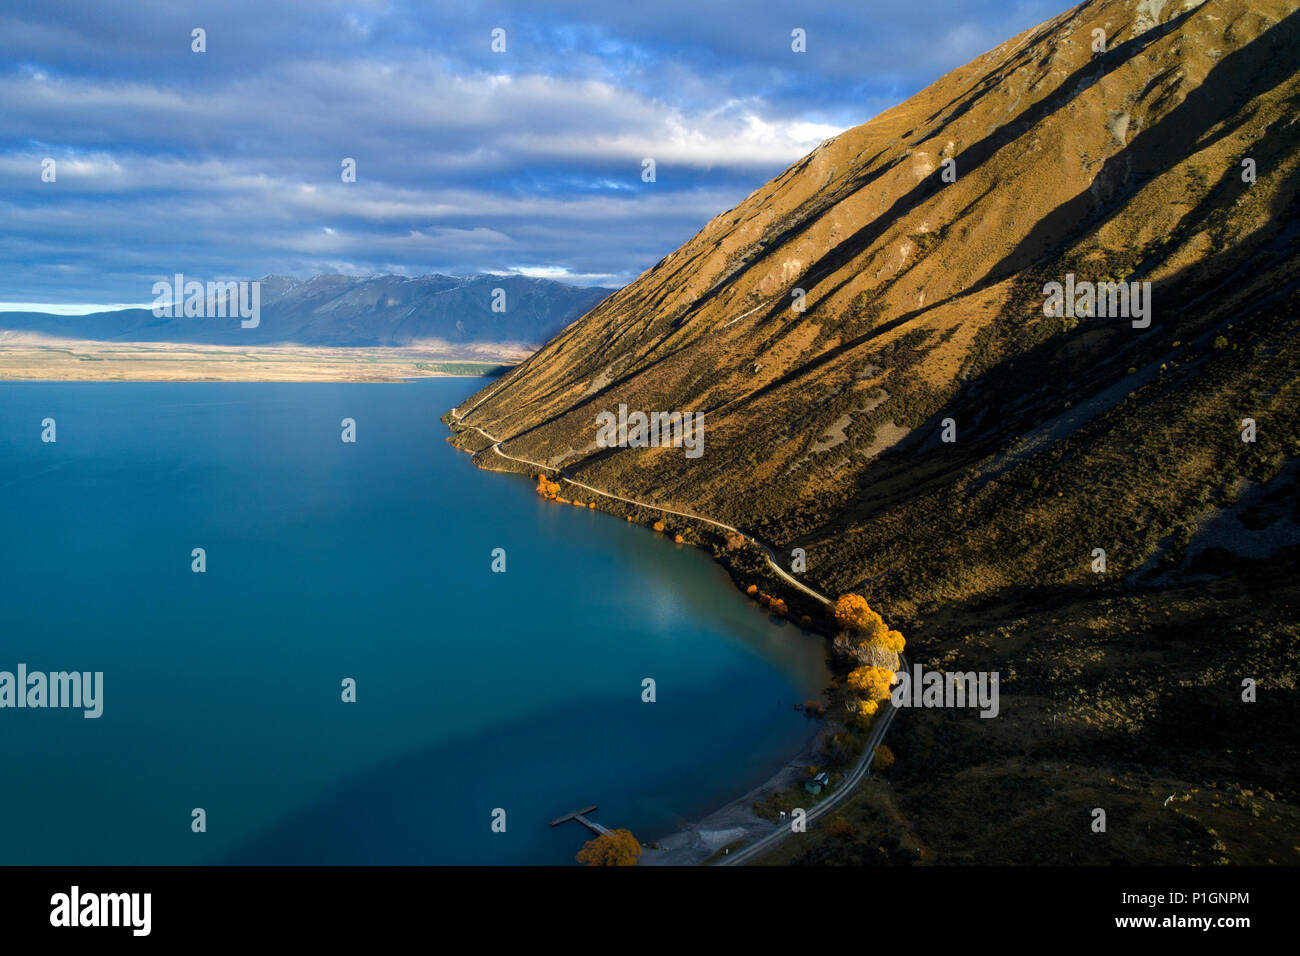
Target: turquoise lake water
(371, 561)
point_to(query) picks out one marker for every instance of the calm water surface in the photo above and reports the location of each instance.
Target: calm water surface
(372, 560)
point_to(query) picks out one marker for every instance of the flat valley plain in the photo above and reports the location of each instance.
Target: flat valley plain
(32, 357)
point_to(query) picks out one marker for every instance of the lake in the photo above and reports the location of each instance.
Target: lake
(369, 561)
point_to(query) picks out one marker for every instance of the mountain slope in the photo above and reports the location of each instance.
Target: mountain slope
(1097, 532)
(925, 302)
(337, 310)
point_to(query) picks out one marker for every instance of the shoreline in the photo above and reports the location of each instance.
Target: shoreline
(30, 359)
(695, 842)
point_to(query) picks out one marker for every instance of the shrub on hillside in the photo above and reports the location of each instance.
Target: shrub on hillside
(883, 759)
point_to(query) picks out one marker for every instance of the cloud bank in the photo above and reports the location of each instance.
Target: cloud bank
(227, 163)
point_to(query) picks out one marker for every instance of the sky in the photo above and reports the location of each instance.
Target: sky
(228, 163)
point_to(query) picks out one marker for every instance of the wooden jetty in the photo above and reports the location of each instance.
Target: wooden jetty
(580, 816)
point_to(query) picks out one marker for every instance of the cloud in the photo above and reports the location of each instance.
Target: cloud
(228, 162)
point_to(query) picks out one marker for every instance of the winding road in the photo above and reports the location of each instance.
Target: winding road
(855, 776)
(768, 552)
(859, 771)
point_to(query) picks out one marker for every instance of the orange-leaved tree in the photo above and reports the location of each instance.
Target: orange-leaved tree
(615, 848)
(893, 640)
(874, 682)
(853, 613)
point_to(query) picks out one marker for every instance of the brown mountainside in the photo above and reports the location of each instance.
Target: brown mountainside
(924, 320)
(924, 301)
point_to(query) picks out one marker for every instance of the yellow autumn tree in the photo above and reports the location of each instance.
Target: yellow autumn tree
(615, 848)
(853, 613)
(893, 641)
(888, 642)
(658, 526)
(883, 759)
(874, 682)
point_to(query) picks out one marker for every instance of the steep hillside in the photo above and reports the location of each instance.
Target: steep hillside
(1171, 157)
(924, 301)
(338, 310)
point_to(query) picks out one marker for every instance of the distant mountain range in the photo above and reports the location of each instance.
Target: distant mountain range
(337, 310)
